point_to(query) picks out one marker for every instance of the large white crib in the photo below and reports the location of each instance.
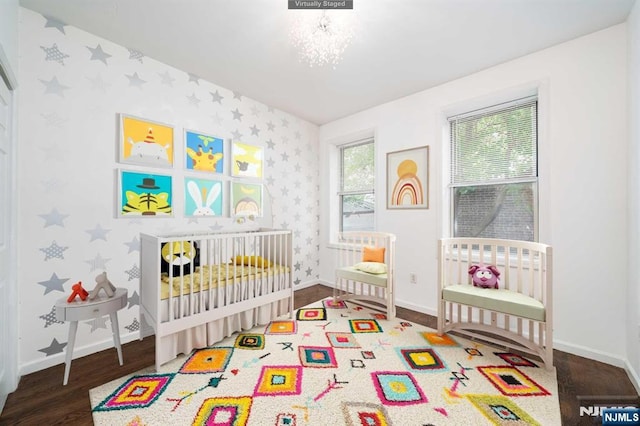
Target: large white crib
(239, 280)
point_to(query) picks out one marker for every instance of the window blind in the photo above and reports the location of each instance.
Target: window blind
(495, 145)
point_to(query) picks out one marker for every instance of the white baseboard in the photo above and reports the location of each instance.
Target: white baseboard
(633, 375)
(308, 284)
(3, 400)
(593, 354)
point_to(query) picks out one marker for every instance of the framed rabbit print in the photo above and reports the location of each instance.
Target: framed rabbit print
(203, 197)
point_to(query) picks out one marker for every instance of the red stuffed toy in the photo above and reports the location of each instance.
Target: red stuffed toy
(484, 276)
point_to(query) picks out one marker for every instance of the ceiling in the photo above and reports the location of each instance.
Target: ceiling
(399, 46)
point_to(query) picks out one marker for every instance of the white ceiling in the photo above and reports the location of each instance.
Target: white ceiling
(399, 46)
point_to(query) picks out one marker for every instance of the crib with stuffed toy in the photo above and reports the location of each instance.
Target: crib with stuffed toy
(518, 314)
(196, 289)
(365, 270)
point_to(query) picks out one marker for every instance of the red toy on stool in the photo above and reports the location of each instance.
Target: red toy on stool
(77, 290)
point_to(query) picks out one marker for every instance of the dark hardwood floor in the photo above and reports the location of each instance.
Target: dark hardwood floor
(42, 400)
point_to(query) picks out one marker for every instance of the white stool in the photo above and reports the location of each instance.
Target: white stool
(85, 310)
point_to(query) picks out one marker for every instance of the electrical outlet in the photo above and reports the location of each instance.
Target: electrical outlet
(413, 279)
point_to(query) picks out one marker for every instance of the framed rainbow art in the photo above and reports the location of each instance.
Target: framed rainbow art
(408, 179)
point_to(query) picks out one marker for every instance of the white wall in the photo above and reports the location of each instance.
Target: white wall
(633, 289)
(583, 143)
(67, 174)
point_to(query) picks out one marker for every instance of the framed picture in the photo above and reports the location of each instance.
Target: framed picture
(202, 197)
(145, 142)
(246, 160)
(144, 195)
(203, 153)
(408, 179)
(246, 199)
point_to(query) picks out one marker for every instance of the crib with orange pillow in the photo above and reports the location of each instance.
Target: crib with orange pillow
(365, 271)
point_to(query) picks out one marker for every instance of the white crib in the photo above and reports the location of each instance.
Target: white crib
(214, 284)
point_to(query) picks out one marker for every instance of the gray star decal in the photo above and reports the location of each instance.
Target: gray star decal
(285, 191)
(50, 318)
(54, 348)
(237, 115)
(296, 233)
(297, 249)
(53, 218)
(54, 251)
(216, 227)
(255, 111)
(297, 200)
(270, 181)
(297, 266)
(298, 151)
(97, 263)
(53, 185)
(54, 23)
(270, 126)
(54, 54)
(52, 119)
(193, 100)
(285, 140)
(134, 299)
(271, 144)
(297, 281)
(285, 122)
(285, 156)
(166, 79)
(194, 78)
(97, 54)
(216, 97)
(270, 162)
(297, 134)
(133, 273)
(134, 80)
(309, 271)
(298, 167)
(53, 87)
(98, 83)
(135, 55)
(237, 95)
(134, 326)
(285, 225)
(98, 233)
(236, 134)
(254, 130)
(134, 244)
(309, 241)
(53, 283)
(96, 323)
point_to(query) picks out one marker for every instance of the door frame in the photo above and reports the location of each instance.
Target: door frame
(10, 382)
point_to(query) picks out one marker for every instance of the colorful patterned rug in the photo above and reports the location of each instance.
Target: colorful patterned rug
(336, 364)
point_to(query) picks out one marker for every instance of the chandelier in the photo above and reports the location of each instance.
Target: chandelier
(321, 38)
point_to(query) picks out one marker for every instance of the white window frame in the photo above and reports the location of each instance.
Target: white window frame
(342, 193)
(334, 184)
(539, 88)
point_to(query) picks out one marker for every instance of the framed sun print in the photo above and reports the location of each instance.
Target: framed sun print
(145, 142)
(246, 160)
(203, 153)
(408, 179)
(144, 194)
(202, 197)
(246, 199)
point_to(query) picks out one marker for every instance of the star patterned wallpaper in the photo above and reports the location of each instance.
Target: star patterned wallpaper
(73, 86)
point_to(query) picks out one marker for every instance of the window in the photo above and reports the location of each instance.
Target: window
(494, 172)
(356, 192)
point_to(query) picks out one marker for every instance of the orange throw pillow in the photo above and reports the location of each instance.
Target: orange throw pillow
(373, 254)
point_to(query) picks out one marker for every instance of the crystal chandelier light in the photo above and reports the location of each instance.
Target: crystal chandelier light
(320, 38)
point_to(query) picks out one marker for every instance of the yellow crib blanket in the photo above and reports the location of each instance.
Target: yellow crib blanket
(206, 276)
